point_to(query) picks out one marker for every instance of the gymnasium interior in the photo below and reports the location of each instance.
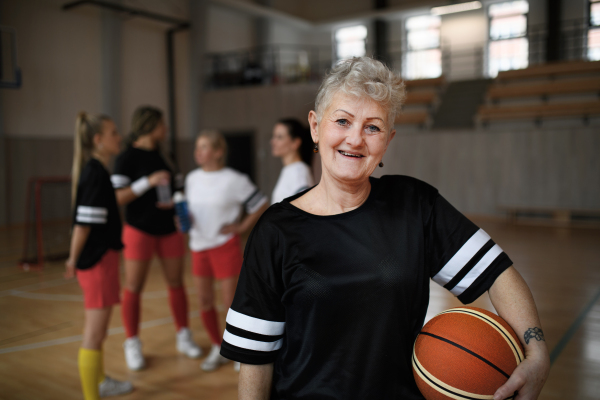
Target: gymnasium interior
(502, 116)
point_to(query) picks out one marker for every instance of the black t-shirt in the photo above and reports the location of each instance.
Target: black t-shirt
(142, 213)
(336, 302)
(96, 207)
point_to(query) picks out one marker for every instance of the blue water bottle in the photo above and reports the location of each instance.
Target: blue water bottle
(181, 208)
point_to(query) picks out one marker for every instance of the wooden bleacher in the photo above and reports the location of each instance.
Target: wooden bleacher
(422, 96)
(563, 78)
(551, 70)
(543, 111)
(544, 89)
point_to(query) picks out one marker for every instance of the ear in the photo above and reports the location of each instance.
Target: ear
(392, 134)
(312, 122)
(97, 139)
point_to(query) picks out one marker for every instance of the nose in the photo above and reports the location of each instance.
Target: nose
(354, 137)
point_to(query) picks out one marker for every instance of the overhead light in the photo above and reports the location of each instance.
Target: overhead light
(454, 8)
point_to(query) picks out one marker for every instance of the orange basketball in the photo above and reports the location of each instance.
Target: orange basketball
(465, 353)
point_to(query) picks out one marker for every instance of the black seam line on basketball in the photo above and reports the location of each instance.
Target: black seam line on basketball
(469, 265)
(494, 323)
(440, 386)
(468, 351)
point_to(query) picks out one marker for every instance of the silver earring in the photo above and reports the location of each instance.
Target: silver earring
(316, 149)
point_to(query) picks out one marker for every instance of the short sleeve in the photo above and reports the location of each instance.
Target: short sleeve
(92, 202)
(122, 174)
(303, 181)
(461, 256)
(256, 320)
(249, 195)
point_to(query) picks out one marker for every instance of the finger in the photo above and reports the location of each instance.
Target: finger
(509, 388)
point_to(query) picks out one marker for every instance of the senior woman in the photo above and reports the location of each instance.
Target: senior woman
(335, 283)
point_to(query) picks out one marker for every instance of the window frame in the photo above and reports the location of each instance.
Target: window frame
(525, 35)
(406, 46)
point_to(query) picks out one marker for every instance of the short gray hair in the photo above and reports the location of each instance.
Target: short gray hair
(362, 77)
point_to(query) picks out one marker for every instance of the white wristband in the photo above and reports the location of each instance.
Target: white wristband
(140, 186)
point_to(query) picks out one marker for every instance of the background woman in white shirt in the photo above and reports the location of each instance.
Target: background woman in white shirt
(216, 195)
(292, 143)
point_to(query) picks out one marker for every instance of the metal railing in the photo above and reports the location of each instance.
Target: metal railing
(281, 64)
(267, 65)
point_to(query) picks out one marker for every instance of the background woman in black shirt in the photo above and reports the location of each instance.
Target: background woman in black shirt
(95, 245)
(141, 175)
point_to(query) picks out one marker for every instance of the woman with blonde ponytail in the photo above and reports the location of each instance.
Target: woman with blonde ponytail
(95, 245)
(141, 177)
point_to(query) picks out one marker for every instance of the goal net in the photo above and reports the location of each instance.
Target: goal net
(47, 221)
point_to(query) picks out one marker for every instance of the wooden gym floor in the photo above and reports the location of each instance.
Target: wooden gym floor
(41, 317)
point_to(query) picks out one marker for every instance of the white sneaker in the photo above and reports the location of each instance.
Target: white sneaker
(236, 366)
(113, 387)
(133, 354)
(214, 359)
(186, 344)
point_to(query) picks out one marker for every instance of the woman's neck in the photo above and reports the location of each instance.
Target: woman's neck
(104, 158)
(211, 167)
(332, 197)
(290, 158)
(145, 142)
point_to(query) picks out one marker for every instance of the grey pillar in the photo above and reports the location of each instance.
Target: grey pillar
(111, 67)
(198, 45)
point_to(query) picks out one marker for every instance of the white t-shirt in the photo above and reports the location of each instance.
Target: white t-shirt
(215, 199)
(293, 179)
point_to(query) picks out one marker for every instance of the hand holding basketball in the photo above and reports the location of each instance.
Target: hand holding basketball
(528, 379)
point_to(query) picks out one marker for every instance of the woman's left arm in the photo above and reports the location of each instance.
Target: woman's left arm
(247, 223)
(513, 301)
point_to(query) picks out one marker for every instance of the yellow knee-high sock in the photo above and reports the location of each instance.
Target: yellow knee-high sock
(101, 375)
(89, 365)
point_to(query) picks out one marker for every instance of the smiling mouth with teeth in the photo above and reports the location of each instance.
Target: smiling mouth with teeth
(350, 155)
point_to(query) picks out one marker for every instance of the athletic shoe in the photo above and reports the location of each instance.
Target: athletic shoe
(236, 366)
(133, 353)
(214, 359)
(186, 344)
(113, 387)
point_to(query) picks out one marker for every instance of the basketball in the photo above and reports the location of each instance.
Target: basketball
(465, 353)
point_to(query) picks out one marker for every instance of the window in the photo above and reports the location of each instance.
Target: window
(594, 31)
(423, 56)
(351, 42)
(508, 46)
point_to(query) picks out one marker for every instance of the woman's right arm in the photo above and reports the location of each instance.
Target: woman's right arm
(255, 382)
(128, 194)
(78, 239)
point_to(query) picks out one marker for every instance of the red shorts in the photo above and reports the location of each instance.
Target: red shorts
(100, 283)
(220, 262)
(140, 245)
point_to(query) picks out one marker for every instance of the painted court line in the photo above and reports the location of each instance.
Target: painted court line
(79, 338)
(562, 343)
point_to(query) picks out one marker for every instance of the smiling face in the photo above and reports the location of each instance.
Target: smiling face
(282, 143)
(353, 135)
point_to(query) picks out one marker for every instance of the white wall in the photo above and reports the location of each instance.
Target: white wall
(229, 30)
(59, 55)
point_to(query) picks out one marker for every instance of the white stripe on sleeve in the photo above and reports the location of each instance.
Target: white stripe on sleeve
(95, 211)
(462, 257)
(251, 344)
(120, 181)
(89, 219)
(477, 270)
(256, 325)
